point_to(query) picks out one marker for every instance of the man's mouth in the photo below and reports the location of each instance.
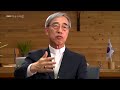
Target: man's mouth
(59, 37)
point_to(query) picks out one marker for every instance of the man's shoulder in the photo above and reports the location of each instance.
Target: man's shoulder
(37, 51)
(76, 57)
(36, 54)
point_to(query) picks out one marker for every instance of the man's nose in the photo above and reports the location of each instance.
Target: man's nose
(59, 30)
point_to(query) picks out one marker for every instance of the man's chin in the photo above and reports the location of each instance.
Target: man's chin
(59, 43)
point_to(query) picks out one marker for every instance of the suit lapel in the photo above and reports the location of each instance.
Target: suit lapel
(51, 74)
(64, 61)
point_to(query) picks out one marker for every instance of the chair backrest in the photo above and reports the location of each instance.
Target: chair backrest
(93, 72)
(19, 61)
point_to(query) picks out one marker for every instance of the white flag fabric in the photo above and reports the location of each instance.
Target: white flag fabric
(110, 51)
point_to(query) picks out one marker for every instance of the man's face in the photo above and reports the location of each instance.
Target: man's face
(58, 31)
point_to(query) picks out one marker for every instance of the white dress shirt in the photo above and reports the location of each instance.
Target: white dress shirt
(58, 55)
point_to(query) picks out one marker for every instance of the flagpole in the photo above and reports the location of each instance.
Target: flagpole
(111, 59)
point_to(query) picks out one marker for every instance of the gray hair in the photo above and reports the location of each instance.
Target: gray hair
(54, 15)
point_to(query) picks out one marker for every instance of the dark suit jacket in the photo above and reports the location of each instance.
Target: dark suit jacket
(73, 66)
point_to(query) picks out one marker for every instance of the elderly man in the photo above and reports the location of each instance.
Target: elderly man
(56, 61)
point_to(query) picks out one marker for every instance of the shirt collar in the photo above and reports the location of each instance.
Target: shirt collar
(54, 51)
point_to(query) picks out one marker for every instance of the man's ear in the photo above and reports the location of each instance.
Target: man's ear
(46, 31)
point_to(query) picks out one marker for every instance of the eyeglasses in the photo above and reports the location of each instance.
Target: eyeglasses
(56, 26)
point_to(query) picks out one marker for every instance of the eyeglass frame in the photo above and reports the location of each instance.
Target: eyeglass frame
(64, 26)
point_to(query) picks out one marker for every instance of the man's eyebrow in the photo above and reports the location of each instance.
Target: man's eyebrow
(58, 23)
(65, 24)
(55, 23)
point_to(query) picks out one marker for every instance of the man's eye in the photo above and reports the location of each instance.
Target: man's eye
(65, 27)
(55, 25)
